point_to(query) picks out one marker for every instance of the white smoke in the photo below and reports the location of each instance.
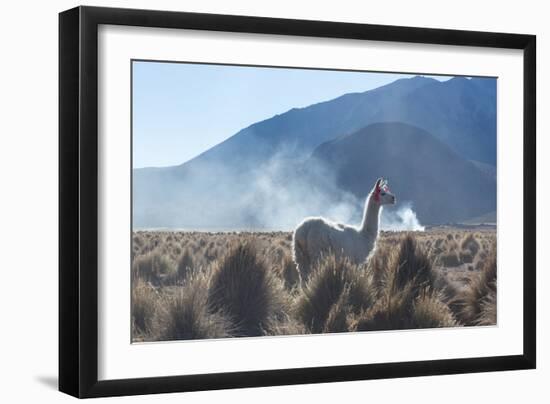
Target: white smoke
(278, 195)
(287, 198)
(401, 219)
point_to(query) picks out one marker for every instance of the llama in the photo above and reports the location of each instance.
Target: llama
(316, 236)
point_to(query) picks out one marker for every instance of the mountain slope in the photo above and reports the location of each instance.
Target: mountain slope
(461, 112)
(442, 186)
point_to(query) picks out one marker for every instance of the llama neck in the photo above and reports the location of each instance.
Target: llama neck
(371, 217)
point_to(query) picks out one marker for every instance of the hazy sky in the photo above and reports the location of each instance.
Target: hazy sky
(181, 110)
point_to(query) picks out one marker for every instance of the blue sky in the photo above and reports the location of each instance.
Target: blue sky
(181, 109)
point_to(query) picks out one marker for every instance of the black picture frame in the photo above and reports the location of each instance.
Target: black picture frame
(78, 201)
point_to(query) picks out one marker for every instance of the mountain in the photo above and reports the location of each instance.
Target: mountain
(257, 177)
(460, 111)
(442, 186)
(333, 182)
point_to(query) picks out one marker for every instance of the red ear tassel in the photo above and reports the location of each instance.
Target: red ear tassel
(377, 194)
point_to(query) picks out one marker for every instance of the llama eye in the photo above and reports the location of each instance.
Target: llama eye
(383, 193)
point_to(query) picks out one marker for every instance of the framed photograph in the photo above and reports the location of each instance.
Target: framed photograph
(251, 201)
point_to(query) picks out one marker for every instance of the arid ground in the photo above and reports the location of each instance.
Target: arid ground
(196, 285)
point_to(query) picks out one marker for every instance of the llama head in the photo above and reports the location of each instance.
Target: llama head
(381, 193)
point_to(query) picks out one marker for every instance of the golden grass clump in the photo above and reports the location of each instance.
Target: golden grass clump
(471, 244)
(288, 272)
(450, 259)
(402, 310)
(478, 301)
(335, 287)
(144, 305)
(339, 315)
(185, 265)
(430, 312)
(154, 267)
(469, 249)
(466, 257)
(247, 291)
(406, 298)
(488, 314)
(411, 265)
(187, 315)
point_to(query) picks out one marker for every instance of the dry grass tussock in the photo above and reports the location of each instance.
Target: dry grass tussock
(334, 289)
(248, 291)
(477, 303)
(144, 304)
(186, 314)
(406, 296)
(192, 285)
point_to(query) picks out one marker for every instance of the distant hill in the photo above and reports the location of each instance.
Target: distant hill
(442, 186)
(265, 175)
(488, 218)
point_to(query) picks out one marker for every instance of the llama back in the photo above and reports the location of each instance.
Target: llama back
(300, 249)
(307, 248)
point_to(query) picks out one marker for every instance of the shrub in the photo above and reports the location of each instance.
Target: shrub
(466, 257)
(450, 259)
(377, 268)
(333, 282)
(137, 240)
(478, 298)
(243, 287)
(392, 311)
(470, 244)
(154, 267)
(445, 287)
(144, 304)
(404, 310)
(488, 312)
(406, 298)
(337, 319)
(185, 265)
(430, 312)
(411, 265)
(186, 314)
(289, 272)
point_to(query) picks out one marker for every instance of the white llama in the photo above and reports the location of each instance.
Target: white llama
(316, 236)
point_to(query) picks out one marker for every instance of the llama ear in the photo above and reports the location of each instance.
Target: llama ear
(378, 183)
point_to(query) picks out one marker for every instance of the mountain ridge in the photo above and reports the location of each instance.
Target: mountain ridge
(293, 138)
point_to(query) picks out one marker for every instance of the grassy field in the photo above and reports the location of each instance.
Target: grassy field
(195, 285)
